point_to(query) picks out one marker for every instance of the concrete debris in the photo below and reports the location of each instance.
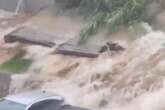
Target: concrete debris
(79, 50)
(31, 36)
(111, 47)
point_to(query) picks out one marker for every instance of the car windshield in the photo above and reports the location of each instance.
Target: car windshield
(9, 105)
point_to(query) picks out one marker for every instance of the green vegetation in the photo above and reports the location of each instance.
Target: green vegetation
(114, 14)
(16, 64)
(110, 13)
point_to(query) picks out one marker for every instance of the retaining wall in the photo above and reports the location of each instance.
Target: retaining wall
(27, 5)
(4, 84)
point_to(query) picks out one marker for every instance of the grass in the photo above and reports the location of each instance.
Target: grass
(17, 64)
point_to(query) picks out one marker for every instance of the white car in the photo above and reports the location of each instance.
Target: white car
(36, 100)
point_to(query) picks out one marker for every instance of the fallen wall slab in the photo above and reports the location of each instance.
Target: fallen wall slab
(31, 36)
(79, 50)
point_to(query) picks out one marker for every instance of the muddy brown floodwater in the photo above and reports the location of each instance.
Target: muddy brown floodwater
(130, 80)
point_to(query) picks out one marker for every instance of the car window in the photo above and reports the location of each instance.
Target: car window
(46, 105)
(9, 105)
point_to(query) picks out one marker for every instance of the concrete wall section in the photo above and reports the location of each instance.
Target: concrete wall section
(27, 5)
(4, 84)
(9, 5)
(37, 5)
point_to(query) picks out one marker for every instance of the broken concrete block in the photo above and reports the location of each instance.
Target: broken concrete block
(78, 50)
(110, 46)
(31, 36)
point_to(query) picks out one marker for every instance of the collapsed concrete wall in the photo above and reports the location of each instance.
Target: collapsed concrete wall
(36, 5)
(4, 84)
(26, 5)
(67, 3)
(9, 5)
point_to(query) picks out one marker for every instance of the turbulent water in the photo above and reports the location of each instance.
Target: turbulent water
(130, 80)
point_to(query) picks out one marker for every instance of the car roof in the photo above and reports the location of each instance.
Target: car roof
(28, 98)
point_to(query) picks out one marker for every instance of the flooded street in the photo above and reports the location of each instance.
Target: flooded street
(122, 82)
(133, 79)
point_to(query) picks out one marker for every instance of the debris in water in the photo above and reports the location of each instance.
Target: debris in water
(31, 36)
(79, 50)
(113, 47)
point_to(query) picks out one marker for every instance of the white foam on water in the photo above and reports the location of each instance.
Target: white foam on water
(131, 81)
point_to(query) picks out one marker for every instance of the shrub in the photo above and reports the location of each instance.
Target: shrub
(114, 14)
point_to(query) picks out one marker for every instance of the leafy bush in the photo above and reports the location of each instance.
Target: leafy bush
(110, 13)
(113, 13)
